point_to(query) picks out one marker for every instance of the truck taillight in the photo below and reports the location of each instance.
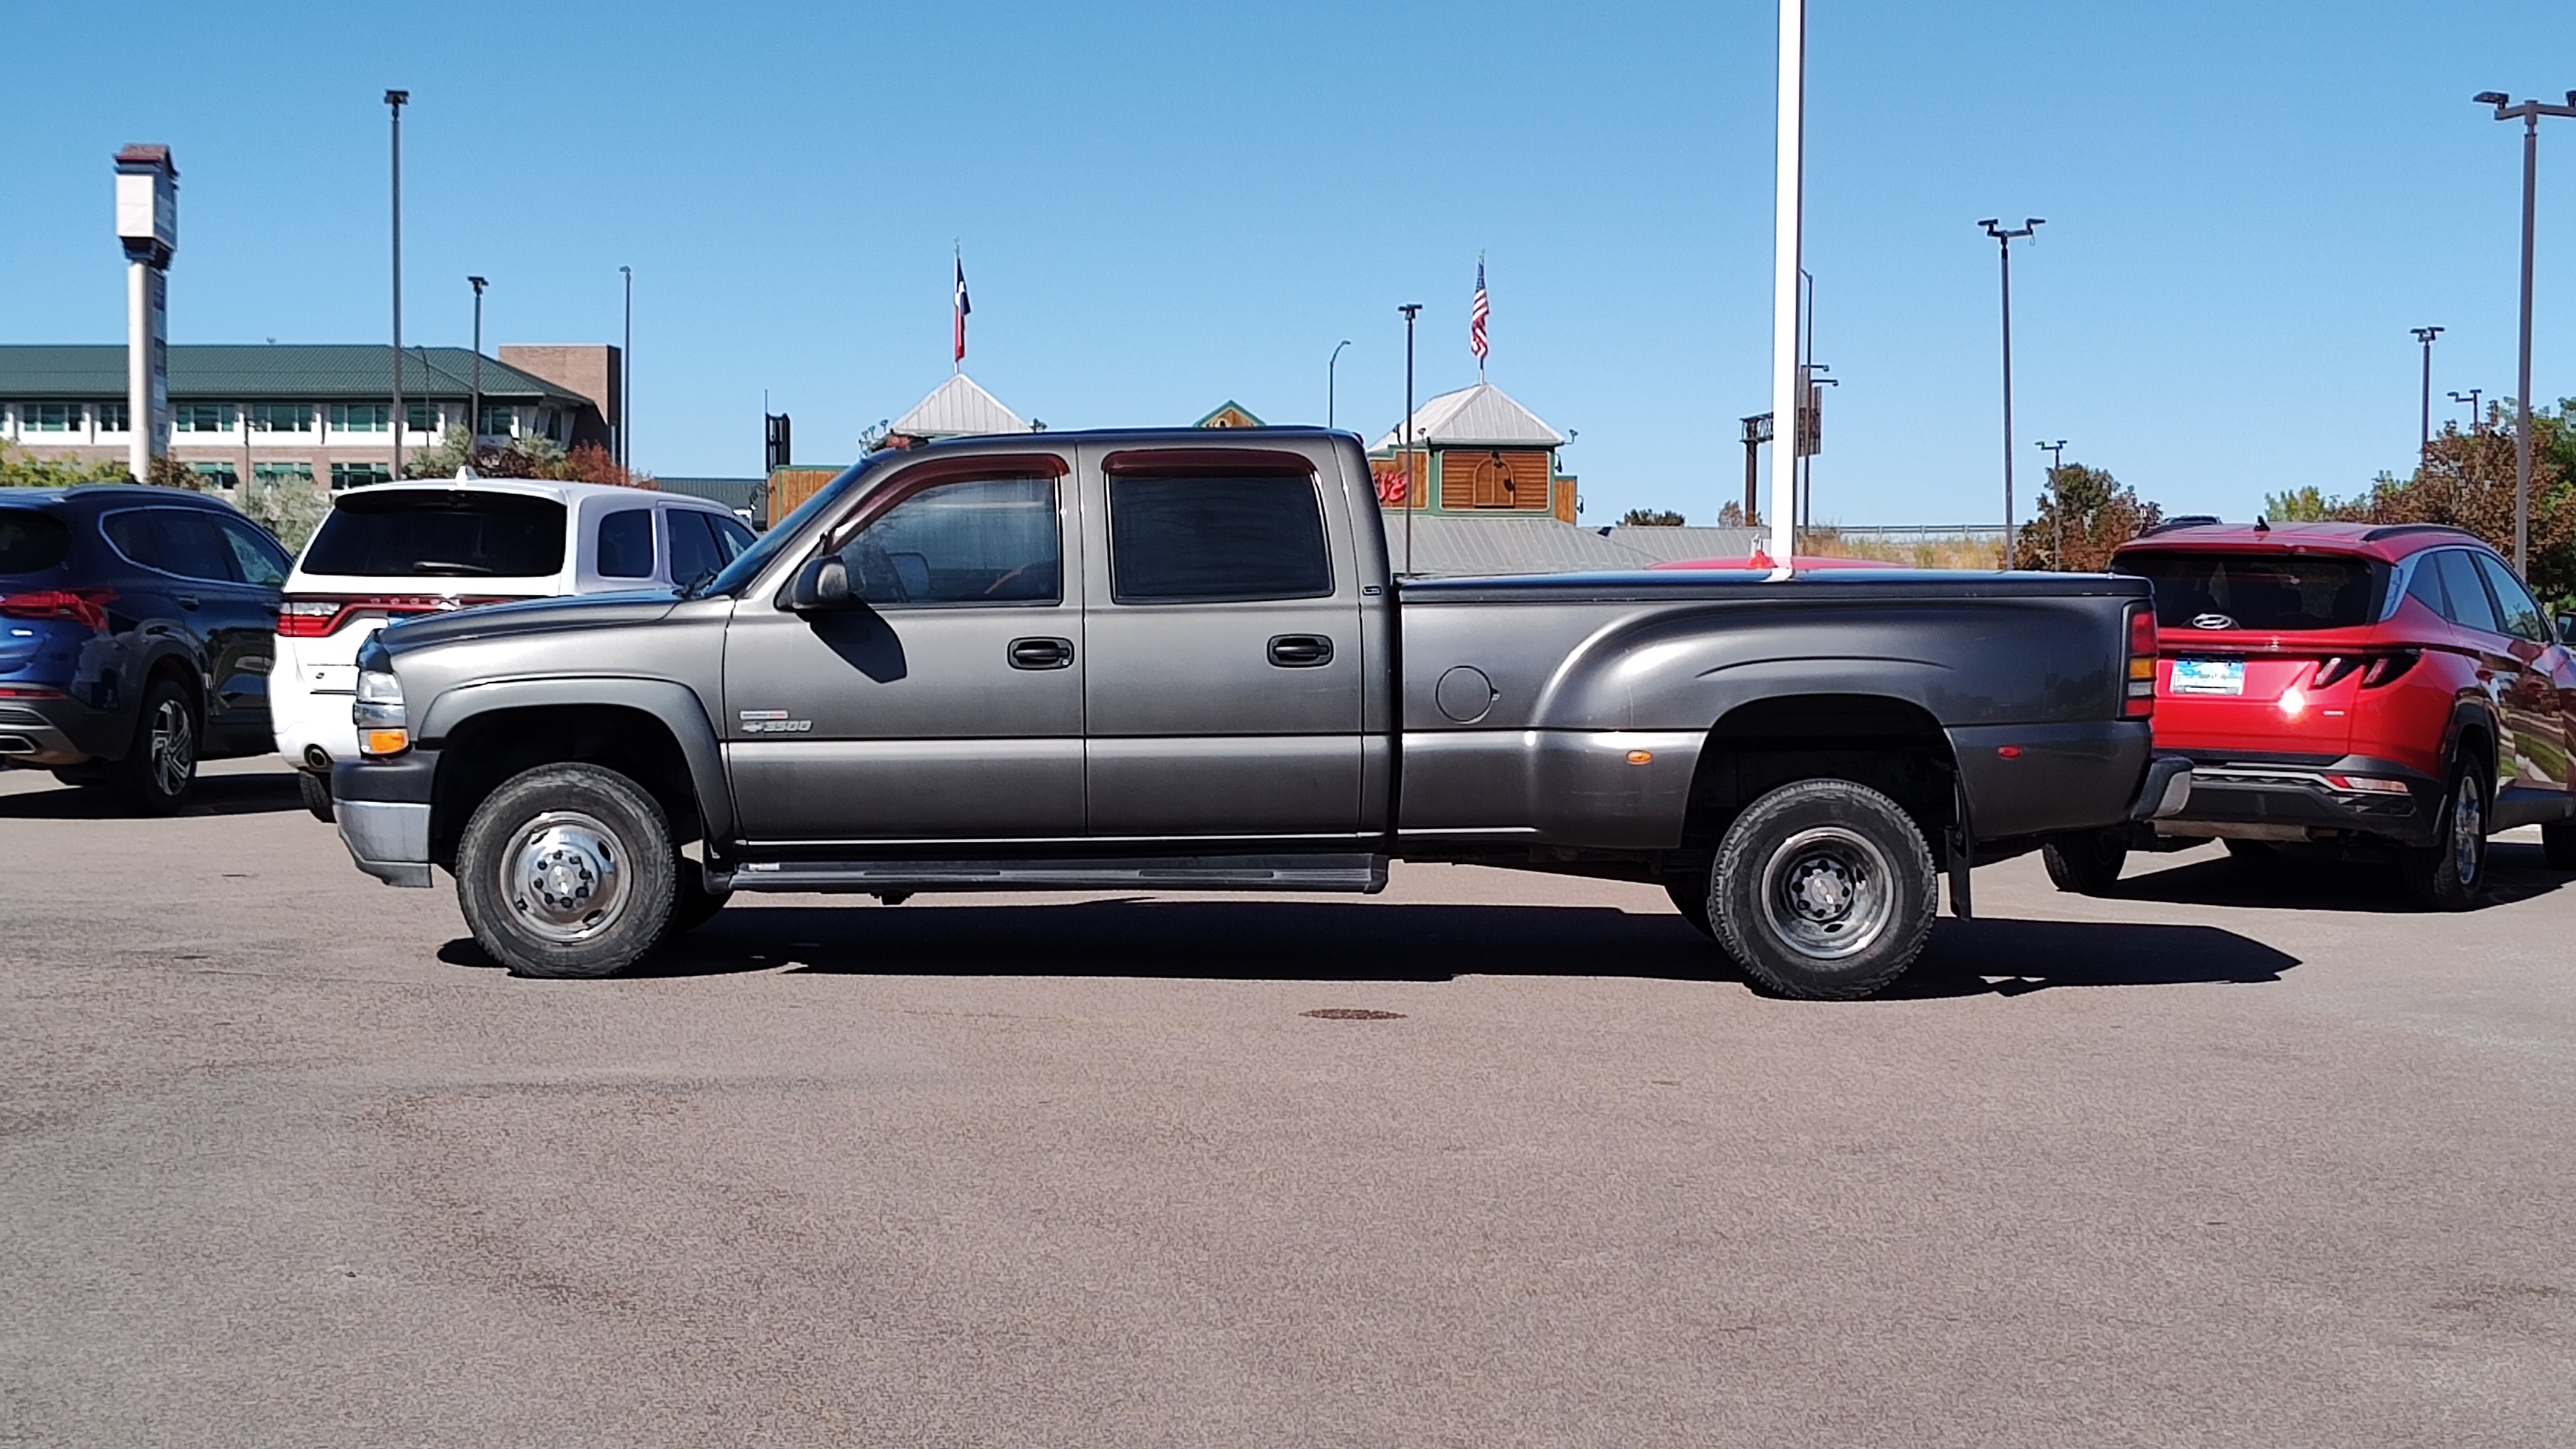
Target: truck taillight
(2139, 702)
(86, 607)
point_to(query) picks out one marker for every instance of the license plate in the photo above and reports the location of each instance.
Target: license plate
(2209, 676)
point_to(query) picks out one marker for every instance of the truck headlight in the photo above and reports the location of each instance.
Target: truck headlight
(383, 727)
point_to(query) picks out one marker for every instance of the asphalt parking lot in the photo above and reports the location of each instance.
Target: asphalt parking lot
(2243, 1156)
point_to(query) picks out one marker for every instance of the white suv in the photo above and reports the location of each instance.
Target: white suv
(415, 548)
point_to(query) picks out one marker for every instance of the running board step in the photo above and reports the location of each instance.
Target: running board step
(1358, 874)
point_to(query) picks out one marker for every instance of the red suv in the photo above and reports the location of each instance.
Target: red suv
(2370, 689)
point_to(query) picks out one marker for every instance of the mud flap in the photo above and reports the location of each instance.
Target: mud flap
(1961, 851)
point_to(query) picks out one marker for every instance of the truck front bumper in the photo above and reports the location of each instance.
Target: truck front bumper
(383, 810)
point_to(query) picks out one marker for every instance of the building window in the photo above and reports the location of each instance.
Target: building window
(357, 475)
(361, 417)
(420, 417)
(113, 417)
(500, 422)
(219, 476)
(282, 473)
(49, 417)
(201, 418)
(282, 418)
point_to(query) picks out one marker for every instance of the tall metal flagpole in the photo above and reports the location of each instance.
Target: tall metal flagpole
(1410, 310)
(394, 101)
(1788, 206)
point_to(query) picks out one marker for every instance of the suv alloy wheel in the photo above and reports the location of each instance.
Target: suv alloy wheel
(2448, 874)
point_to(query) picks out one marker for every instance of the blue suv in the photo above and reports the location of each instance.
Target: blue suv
(137, 626)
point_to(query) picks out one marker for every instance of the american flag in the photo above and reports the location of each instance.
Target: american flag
(1476, 317)
(963, 307)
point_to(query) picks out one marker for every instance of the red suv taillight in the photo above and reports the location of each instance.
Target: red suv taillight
(309, 616)
(2140, 699)
(82, 606)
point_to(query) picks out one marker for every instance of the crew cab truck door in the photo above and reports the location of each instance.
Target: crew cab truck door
(1225, 690)
(949, 706)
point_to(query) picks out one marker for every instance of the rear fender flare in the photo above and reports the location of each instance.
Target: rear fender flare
(675, 705)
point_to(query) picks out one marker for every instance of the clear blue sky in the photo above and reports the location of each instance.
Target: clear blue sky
(1164, 206)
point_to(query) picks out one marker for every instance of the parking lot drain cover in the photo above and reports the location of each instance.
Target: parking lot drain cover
(1353, 1013)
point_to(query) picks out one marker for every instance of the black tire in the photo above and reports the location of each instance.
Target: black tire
(1823, 891)
(316, 790)
(2449, 874)
(566, 871)
(1689, 891)
(2085, 864)
(2558, 843)
(692, 904)
(159, 771)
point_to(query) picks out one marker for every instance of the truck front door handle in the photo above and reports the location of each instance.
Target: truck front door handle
(186, 601)
(1041, 653)
(1301, 651)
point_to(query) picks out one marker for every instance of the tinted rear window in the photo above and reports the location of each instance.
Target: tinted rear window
(439, 535)
(1211, 539)
(2262, 592)
(31, 542)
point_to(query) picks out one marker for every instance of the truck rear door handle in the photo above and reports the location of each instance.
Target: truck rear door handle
(186, 601)
(1300, 651)
(1041, 653)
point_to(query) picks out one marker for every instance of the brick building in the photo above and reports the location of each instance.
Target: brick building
(316, 413)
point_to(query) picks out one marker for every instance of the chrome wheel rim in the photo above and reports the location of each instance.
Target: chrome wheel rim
(174, 747)
(1828, 893)
(2468, 831)
(564, 876)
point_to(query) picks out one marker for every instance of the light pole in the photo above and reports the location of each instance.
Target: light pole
(2471, 398)
(2004, 238)
(2057, 504)
(1410, 310)
(1757, 431)
(395, 101)
(2529, 113)
(474, 410)
(2424, 441)
(1329, 381)
(626, 379)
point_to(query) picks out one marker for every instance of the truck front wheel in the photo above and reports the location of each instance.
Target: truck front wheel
(566, 871)
(1823, 890)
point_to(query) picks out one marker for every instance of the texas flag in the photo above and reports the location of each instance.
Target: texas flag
(963, 307)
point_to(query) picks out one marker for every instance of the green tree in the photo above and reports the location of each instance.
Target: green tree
(2310, 505)
(2467, 481)
(2084, 514)
(1650, 518)
(22, 469)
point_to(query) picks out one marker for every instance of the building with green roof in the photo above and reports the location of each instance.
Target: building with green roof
(305, 412)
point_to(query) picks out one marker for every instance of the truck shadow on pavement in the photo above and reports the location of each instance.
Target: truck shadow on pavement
(1286, 941)
(2515, 872)
(243, 794)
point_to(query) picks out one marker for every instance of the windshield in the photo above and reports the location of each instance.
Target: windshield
(2264, 592)
(31, 542)
(746, 566)
(439, 534)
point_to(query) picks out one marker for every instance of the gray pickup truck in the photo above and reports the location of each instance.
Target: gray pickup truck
(1142, 660)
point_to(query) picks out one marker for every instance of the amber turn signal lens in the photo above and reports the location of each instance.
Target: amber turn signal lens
(386, 742)
(1641, 757)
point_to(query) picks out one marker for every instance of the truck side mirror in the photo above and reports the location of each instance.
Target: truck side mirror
(823, 585)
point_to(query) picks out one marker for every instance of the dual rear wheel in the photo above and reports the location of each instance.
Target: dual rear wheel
(1821, 890)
